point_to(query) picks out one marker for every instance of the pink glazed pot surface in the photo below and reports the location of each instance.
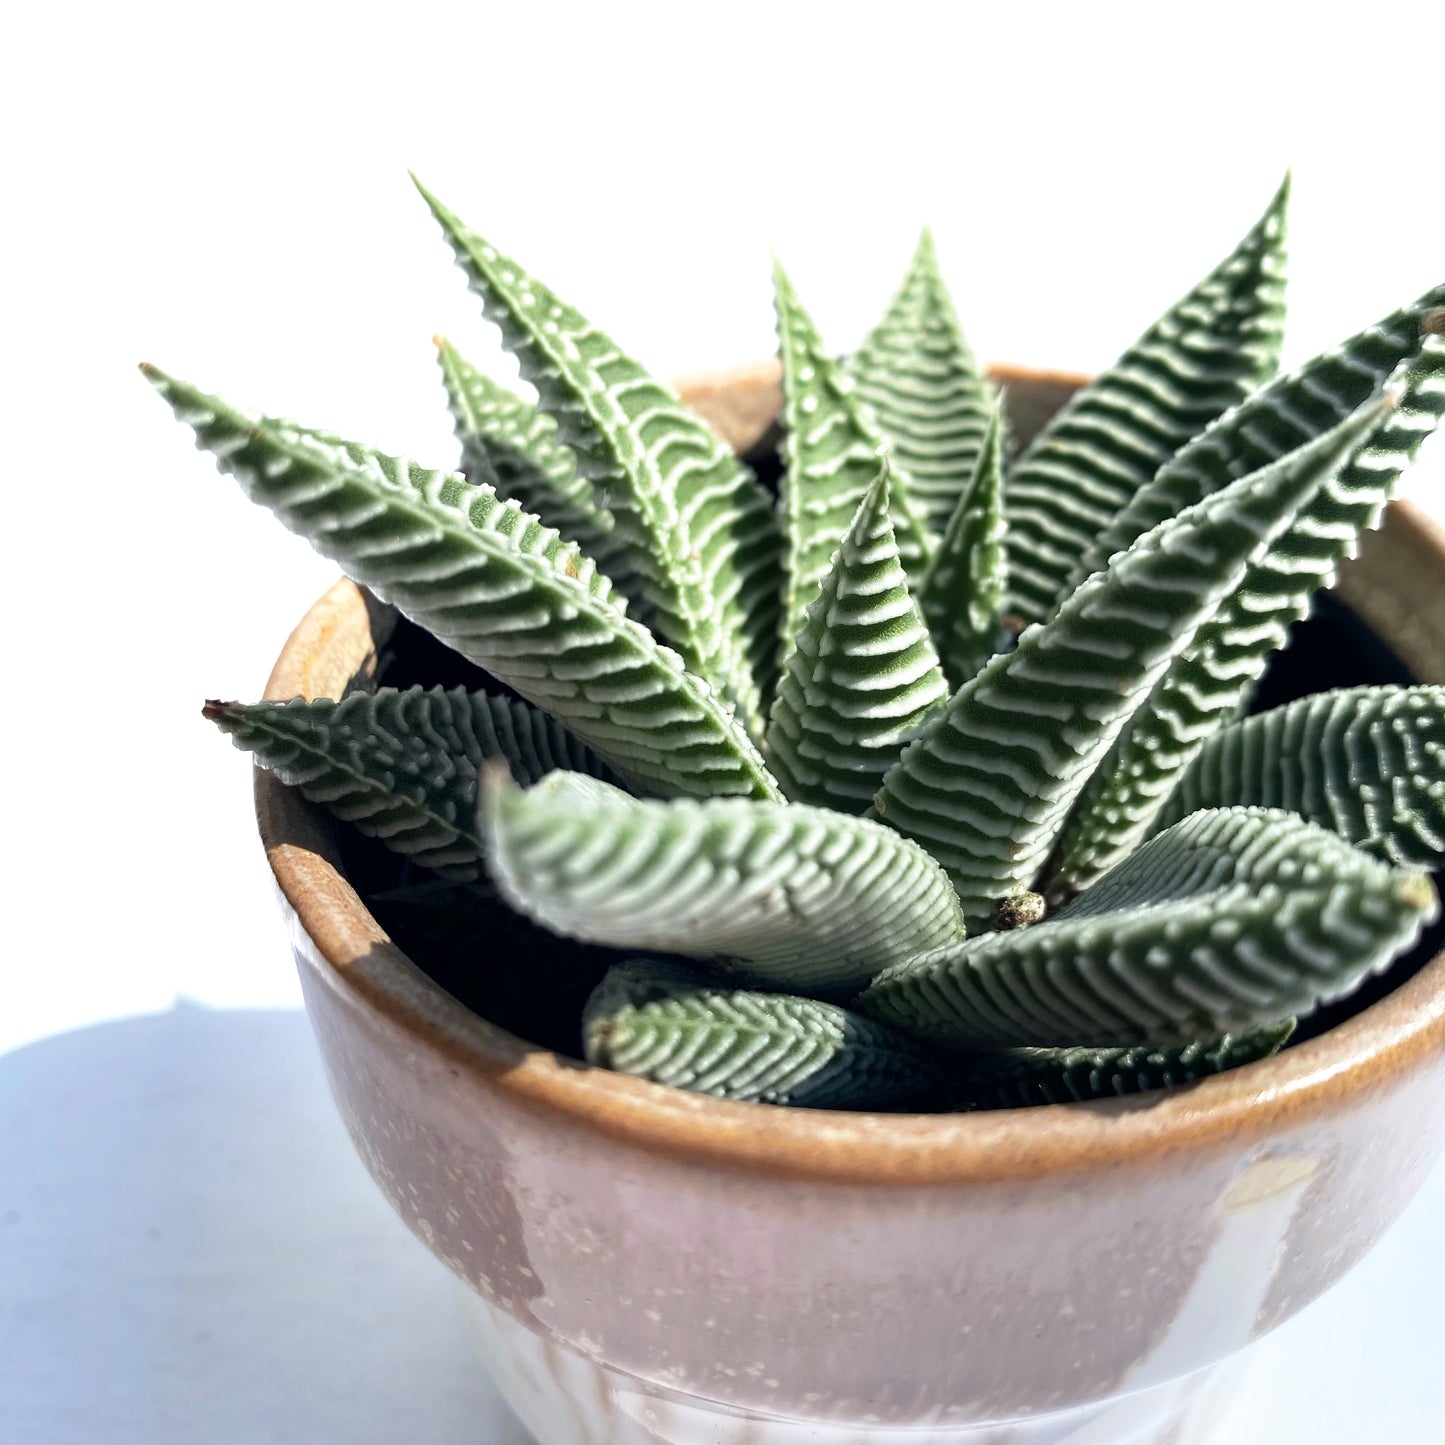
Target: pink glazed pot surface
(649, 1265)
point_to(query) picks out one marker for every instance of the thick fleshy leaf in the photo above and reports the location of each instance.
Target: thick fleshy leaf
(1203, 356)
(1285, 414)
(863, 677)
(402, 765)
(924, 389)
(698, 534)
(492, 582)
(673, 1025)
(1367, 762)
(800, 897)
(510, 445)
(962, 593)
(1230, 921)
(1207, 686)
(987, 785)
(832, 449)
(1018, 1078)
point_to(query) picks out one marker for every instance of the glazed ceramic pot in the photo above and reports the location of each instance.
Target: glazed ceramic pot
(644, 1265)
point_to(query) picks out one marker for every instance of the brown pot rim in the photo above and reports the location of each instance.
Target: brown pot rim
(1370, 1052)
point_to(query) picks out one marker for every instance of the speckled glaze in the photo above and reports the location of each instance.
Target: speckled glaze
(648, 1266)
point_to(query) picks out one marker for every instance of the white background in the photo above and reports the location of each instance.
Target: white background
(187, 1249)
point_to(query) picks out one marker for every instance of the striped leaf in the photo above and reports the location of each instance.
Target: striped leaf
(962, 593)
(673, 1025)
(1284, 415)
(796, 896)
(1019, 1078)
(511, 446)
(1231, 920)
(1207, 686)
(698, 534)
(832, 451)
(402, 766)
(863, 676)
(490, 581)
(924, 389)
(1367, 762)
(1205, 355)
(987, 785)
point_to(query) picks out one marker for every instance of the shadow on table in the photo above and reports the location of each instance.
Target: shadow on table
(190, 1251)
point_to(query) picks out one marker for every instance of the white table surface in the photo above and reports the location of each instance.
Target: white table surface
(189, 1250)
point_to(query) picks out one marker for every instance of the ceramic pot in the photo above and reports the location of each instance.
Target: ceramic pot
(645, 1265)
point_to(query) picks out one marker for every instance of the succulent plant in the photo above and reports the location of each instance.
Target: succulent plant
(925, 782)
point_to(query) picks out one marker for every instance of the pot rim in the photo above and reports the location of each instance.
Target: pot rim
(1373, 1051)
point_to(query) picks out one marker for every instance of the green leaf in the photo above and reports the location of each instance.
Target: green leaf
(797, 896)
(962, 593)
(928, 395)
(863, 676)
(1019, 1078)
(1366, 762)
(402, 766)
(511, 446)
(698, 534)
(1206, 687)
(832, 450)
(987, 785)
(1231, 920)
(1203, 356)
(675, 1026)
(490, 581)
(1284, 415)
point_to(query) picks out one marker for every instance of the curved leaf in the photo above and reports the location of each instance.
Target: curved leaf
(1019, 1078)
(509, 445)
(698, 534)
(1366, 762)
(798, 896)
(493, 583)
(1231, 920)
(402, 766)
(675, 1026)
(1207, 686)
(863, 676)
(832, 450)
(962, 593)
(925, 391)
(1203, 356)
(987, 785)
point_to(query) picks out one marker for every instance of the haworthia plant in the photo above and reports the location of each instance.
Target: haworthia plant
(496, 584)
(1016, 1078)
(1232, 920)
(1078, 874)
(1203, 356)
(1206, 686)
(1049, 710)
(833, 451)
(403, 766)
(927, 393)
(694, 527)
(675, 1026)
(511, 446)
(862, 677)
(785, 893)
(1367, 762)
(962, 593)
